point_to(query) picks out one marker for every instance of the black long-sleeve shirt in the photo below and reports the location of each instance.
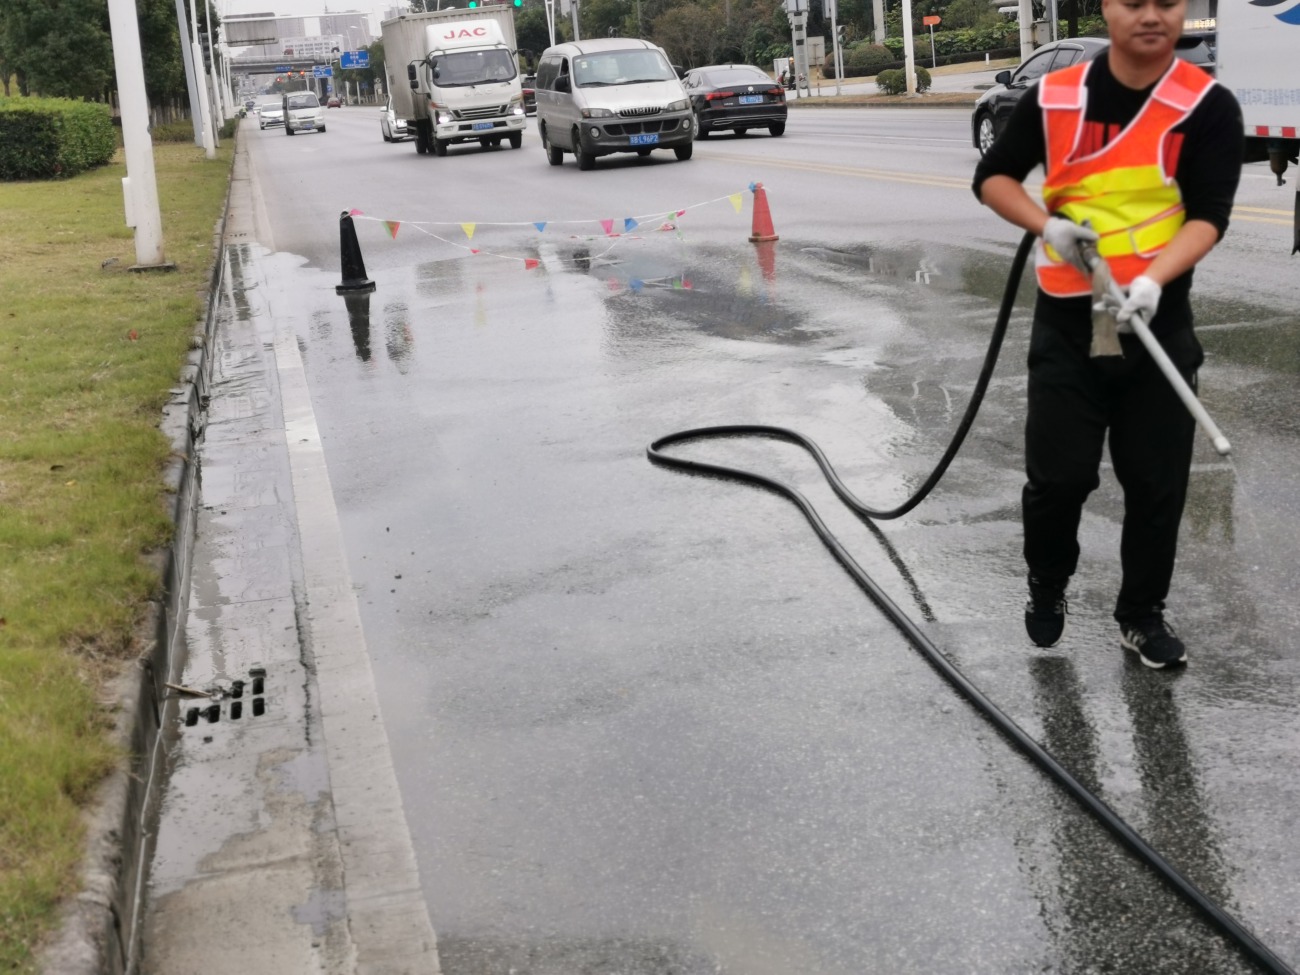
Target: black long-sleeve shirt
(1209, 144)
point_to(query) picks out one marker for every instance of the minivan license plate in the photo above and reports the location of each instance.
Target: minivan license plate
(644, 140)
(482, 125)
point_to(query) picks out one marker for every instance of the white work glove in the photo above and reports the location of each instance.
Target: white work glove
(1143, 298)
(1065, 236)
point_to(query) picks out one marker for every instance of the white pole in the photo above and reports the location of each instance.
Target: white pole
(209, 143)
(835, 36)
(1026, 28)
(909, 59)
(934, 61)
(214, 75)
(191, 78)
(141, 184)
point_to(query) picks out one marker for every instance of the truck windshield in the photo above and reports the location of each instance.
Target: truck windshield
(462, 68)
(621, 68)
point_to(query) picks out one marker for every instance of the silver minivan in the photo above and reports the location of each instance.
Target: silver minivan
(611, 95)
(302, 112)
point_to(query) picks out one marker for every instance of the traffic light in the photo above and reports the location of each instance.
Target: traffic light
(207, 50)
(473, 4)
(841, 32)
(519, 3)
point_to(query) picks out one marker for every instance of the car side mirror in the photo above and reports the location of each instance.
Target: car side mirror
(412, 77)
(562, 83)
(1003, 78)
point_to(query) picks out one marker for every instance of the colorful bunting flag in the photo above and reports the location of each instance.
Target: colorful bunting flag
(530, 263)
(628, 224)
(737, 201)
(540, 225)
(608, 225)
(469, 229)
(392, 226)
(355, 213)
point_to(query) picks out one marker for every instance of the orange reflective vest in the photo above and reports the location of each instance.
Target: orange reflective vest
(1126, 190)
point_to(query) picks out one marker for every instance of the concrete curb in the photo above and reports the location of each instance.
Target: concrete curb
(98, 929)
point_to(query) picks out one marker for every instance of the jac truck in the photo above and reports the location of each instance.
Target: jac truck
(454, 77)
(1258, 44)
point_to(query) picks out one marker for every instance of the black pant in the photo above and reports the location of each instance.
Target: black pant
(1073, 401)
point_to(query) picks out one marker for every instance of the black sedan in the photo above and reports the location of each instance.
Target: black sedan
(735, 96)
(995, 105)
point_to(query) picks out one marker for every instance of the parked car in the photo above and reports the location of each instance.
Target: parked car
(333, 102)
(529, 89)
(735, 96)
(994, 106)
(391, 127)
(270, 113)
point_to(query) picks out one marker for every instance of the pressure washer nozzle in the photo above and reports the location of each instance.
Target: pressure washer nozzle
(1222, 446)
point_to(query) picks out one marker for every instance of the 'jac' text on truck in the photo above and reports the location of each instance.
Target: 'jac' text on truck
(454, 77)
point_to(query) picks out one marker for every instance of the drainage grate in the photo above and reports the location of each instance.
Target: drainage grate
(244, 699)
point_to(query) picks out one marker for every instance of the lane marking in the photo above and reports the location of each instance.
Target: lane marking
(1239, 213)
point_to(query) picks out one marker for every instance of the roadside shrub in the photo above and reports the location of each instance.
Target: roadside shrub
(862, 60)
(227, 130)
(51, 138)
(172, 132)
(893, 81)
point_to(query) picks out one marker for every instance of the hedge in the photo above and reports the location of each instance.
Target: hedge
(51, 138)
(894, 81)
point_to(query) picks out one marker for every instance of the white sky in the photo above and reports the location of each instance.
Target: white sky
(306, 8)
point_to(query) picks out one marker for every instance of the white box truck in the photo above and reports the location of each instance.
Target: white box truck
(454, 77)
(1256, 51)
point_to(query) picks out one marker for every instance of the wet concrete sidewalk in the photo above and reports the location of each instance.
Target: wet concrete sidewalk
(282, 845)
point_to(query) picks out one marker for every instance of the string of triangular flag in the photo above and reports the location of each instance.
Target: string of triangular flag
(668, 223)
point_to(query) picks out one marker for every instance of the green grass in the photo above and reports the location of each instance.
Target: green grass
(88, 352)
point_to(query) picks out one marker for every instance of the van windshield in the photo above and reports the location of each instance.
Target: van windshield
(303, 100)
(461, 68)
(621, 68)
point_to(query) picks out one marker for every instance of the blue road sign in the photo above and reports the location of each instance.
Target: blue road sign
(354, 59)
(282, 69)
(322, 71)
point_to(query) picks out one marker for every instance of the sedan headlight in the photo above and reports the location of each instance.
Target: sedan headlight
(681, 105)
(597, 113)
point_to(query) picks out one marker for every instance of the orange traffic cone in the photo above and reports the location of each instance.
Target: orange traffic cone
(763, 229)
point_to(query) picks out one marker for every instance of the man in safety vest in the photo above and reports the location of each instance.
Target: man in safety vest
(1146, 149)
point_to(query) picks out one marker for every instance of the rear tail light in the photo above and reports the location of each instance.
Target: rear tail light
(714, 96)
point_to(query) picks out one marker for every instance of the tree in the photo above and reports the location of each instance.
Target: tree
(689, 34)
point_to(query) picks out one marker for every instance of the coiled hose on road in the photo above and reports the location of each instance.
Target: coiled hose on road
(1219, 917)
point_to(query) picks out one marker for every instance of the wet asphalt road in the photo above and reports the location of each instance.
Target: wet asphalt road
(642, 722)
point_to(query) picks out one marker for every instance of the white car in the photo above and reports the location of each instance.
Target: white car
(269, 113)
(303, 113)
(392, 128)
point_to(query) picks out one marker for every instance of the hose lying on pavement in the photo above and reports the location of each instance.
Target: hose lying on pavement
(1219, 917)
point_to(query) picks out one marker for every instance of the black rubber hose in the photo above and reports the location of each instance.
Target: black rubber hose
(1224, 921)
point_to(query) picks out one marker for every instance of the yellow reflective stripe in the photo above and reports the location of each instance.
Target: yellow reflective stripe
(1128, 179)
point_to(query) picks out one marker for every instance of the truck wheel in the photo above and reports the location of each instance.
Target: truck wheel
(553, 155)
(516, 139)
(440, 147)
(683, 153)
(421, 136)
(581, 156)
(288, 129)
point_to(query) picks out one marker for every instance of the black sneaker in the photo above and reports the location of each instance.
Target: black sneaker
(1045, 613)
(1154, 641)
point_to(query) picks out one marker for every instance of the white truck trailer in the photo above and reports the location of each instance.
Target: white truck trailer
(1257, 52)
(454, 77)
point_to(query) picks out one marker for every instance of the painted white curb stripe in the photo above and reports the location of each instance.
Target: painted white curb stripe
(387, 914)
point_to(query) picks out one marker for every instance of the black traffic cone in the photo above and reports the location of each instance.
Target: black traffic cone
(354, 268)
